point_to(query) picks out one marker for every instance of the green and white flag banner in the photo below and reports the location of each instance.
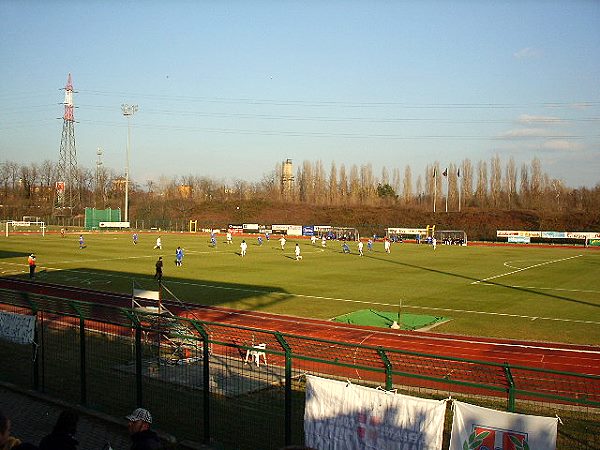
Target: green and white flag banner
(478, 428)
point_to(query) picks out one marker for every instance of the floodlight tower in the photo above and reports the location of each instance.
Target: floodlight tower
(67, 164)
(128, 111)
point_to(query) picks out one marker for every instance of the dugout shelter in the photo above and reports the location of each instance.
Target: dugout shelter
(451, 237)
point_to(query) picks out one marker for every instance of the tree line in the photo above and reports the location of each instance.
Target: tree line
(29, 189)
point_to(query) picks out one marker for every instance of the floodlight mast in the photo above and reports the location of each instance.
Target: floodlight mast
(128, 111)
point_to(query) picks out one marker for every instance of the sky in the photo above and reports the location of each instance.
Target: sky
(230, 89)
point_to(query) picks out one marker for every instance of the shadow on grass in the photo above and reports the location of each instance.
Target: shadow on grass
(471, 279)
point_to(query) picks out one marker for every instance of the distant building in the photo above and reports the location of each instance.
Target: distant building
(287, 178)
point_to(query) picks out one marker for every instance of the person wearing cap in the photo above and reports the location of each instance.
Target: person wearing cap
(142, 437)
(31, 262)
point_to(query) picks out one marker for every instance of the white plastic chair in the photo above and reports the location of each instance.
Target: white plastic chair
(255, 353)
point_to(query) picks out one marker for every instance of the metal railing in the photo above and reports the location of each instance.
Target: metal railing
(203, 382)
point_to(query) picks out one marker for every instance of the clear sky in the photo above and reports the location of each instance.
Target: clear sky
(227, 89)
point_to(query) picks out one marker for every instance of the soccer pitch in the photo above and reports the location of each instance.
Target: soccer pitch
(529, 292)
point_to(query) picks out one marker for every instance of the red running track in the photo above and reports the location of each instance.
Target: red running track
(582, 359)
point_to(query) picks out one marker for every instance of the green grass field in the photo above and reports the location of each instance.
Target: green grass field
(529, 292)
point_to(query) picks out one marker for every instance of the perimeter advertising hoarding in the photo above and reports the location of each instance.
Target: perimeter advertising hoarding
(554, 234)
(308, 230)
(294, 230)
(519, 239)
(250, 227)
(407, 231)
(505, 233)
(235, 229)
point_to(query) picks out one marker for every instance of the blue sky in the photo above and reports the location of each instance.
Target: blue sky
(229, 89)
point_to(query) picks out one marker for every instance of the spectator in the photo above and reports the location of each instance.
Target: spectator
(159, 267)
(7, 442)
(32, 265)
(63, 434)
(142, 437)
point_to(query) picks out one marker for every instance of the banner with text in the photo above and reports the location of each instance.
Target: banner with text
(17, 328)
(343, 416)
(478, 428)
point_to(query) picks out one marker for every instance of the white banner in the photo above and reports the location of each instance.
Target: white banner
(343, 416)
(478, 428)
(17, 328)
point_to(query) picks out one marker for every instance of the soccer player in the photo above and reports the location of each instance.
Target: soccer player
(345, 248)
(323, 241)
(213, 240)
(229, 238)
(260, 240)
(313, 239)
(158, 243)
(387, 245)
(81, 242)
(370, 245)
(135, 238)
(360, 248)
(62, 232)
(282, 243)
(298, 255)
(179, 256)
(433, 242)
(243, 247)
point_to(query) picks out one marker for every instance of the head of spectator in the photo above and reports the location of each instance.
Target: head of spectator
(142, 437)
(6, 440)
(63, 433)
(139, 420)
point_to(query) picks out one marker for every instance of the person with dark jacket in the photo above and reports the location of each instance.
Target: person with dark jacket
(63, 434)
(142, 437)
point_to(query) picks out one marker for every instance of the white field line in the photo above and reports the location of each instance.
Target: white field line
(344, 300)
(524, 268)
(581, 291)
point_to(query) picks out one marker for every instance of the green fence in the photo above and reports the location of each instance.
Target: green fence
(201, 382)
(94, 216)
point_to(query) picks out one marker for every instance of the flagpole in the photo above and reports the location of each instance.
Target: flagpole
(459, 187)
(447, 187)
(447, 182)
(434, 188)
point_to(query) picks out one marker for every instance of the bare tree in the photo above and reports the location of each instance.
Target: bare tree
(482, 183)
(333, 185)
(354, 184)
(407, 191)
(320, 189)
(510, 180)
(495, 180)
(466, 183)
(344, 187)
(524, 186)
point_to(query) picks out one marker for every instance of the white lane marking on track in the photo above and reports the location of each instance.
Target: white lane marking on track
(524, 268)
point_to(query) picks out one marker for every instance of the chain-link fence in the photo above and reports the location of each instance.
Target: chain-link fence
(242, 387)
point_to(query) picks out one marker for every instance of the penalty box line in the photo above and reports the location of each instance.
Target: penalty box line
(524, 268)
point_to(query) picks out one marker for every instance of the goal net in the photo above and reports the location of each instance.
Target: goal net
(24, 226)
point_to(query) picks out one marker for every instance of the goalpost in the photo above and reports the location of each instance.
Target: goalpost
(13, 225)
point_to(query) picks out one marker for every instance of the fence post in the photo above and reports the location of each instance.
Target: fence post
(205, 380)
(288, 389)
(511, 387)
(138, 363)
(388, 369)
(82, 361)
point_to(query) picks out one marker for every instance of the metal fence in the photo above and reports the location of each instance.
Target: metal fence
(243, 388)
